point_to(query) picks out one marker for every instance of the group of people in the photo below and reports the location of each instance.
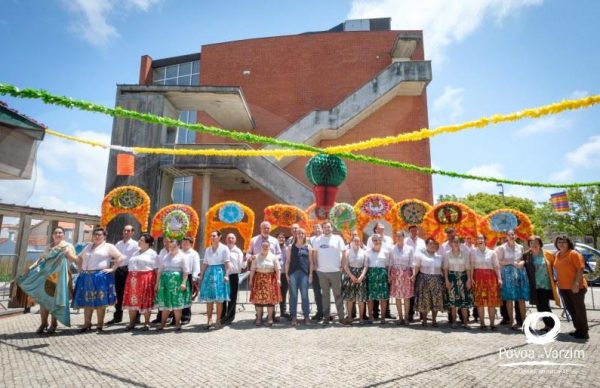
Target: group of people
(421, 275)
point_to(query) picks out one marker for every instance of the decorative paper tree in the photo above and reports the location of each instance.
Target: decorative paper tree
(325, 172)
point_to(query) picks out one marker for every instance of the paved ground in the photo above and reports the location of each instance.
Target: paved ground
(243, 355)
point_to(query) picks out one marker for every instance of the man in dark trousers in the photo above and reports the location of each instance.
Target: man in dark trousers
(128, 247)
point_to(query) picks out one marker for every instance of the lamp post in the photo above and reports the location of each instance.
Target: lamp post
(501, 190)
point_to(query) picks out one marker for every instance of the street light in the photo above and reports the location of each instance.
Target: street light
(501, 189)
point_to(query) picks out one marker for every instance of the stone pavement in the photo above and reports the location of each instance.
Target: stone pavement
(244, 355)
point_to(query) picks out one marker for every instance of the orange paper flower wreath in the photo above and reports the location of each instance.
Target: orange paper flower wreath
(373, 207)
(230, 214)
(126, 200)
(493, 232)
(189, 229)
(285, 215)
(450, 214)
(409, 212)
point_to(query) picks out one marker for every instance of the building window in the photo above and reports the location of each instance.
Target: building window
(185, 136)
(183, 74)
(182, 190)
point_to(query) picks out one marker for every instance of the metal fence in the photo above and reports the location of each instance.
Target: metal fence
(7, 266)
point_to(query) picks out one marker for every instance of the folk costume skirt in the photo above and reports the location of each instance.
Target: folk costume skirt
(401, 287)
(429, 293)
(214, 288)
(486, 292)
(515, 285)
(356, 292)
(265, 290)
(94, 289)
(169, 295)
(377, 284)
(458, 295)
(139, 291)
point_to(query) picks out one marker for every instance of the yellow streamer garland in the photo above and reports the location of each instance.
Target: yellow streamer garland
(426, 133)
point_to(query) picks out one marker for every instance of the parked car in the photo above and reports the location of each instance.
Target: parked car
(591, 257)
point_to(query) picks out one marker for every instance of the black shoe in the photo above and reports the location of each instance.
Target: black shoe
(276, 319)
(155, 320)
(286, 316)
(573, 333)
(137, 320)
(316, 317)
(113, 322)
(582, 336)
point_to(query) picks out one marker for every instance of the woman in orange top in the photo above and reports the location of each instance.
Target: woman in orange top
(572, 285)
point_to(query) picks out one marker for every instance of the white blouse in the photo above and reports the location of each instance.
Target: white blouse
(99, 258)
(402, 259)
(377, 259)
(457, 263)
(357, 259)
(484, 260)
(509, 255)
(177, 263)
(430, 265)
(143, 261)
(270, 263)
(216, 256)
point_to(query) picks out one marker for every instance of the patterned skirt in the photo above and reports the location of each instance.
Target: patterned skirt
(169, 295)
(95, 289)
(458, 295)
(214, 288)
(139, 291)
(401, 287)
(515, 285)
(265, 290)
(377, 284)
(354, 291)
(486, 292)
(429, 293)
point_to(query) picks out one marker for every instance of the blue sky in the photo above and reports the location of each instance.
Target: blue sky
(489, 56)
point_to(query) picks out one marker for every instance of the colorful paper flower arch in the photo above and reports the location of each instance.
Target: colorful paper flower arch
(343, 218)
(285, 215)
(450, 214)
(175, 221)
(230, 215)
(409, 212)
(313, 218)
(373, 207)
(497, 223)
(126, 200)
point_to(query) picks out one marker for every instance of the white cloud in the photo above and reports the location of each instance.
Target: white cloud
(544, 125)
(69, 176)
(565, 175)
(468, 186)
(443, 22)
(93, 25)
(450, 102)
(577, 94)
(587, 155)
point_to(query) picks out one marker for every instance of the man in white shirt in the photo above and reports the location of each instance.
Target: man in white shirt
(329, 251)
(193, 260)
(317, 232)
(238, 264)
(418, 244)
(128, 247)
(386, 241)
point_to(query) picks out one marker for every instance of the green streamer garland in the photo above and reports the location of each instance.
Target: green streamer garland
(48, 98)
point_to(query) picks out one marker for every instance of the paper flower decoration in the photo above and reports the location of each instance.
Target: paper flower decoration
(342, 216)
(450, 214)
(373, 207)
(409, 212)
(497, 223)
(175, 221)
(285, 215)
(126, 200)
(230, 215)
(325, 172)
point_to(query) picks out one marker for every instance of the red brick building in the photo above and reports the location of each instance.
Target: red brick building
(356, 81)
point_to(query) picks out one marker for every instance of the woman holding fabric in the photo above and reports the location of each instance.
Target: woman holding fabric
(354, 282)
(377, 276)
(298, 272)
(59, 253)
(264, 283)
(542, 287)
(457, 276)
(95, 288)
(515, 286)
(400, 276)
(486, 282)
(569, 265)
(214, 277)
(429, 283)
(141, 282)
(173, 290)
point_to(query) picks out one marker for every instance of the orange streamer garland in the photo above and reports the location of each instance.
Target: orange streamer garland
(523, 230)
(450, 215)
(126, 200)
(244, 227)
